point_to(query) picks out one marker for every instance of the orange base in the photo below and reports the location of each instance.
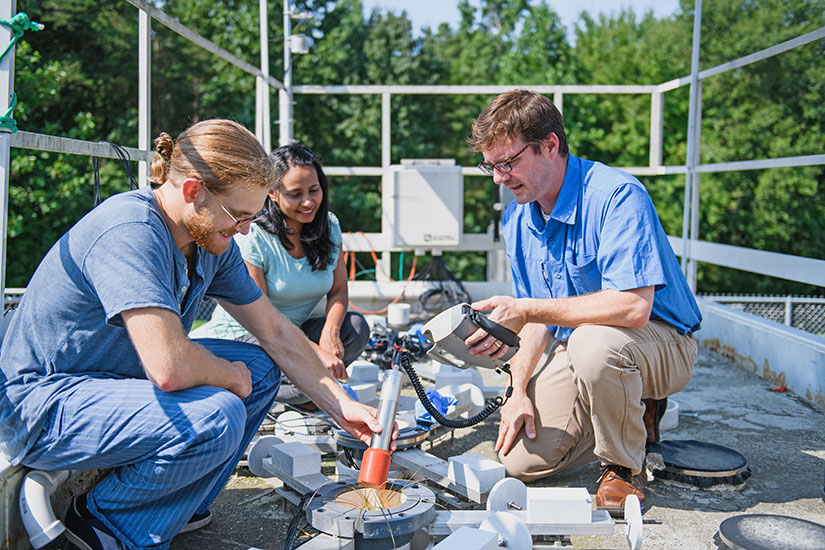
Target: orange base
(375, 467)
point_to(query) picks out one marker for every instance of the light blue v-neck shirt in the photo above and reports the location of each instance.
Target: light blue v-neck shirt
(291, 284)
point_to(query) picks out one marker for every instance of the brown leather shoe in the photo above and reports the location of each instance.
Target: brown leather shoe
(654, 411)
(616, 484)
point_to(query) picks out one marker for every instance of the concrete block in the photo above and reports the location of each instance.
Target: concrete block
(767, 348)
(322, 541)
(12, 534)
(367, 392)
(467, 538)
(294, 459)
(449, 376)
(558, 505)
(426, 370)
(363, 371)
(475, 472)
(470, 400)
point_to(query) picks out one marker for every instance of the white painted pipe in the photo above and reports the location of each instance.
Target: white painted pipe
(36, 508)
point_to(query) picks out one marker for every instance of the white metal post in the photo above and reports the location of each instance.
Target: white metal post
(7, 9)
(386, 129)
(386, 159)
(693, 263)
(558, 101)
(262, 115)
(788, 310)
(285, 94)
(656, 125)
(692, 141)
(144, 92)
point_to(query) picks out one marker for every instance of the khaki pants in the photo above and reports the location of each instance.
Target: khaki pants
(588, 391)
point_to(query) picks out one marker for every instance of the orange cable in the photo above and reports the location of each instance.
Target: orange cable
(384, 309)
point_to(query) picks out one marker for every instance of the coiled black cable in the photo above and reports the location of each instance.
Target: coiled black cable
(402, 358)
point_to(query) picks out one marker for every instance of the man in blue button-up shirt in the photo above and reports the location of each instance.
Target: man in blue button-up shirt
(604, 313)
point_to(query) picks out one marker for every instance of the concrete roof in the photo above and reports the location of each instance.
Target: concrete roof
(782, 436)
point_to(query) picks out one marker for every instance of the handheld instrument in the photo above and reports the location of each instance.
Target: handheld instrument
(447, 332)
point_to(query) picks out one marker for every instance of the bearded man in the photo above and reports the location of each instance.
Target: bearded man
(97, 370)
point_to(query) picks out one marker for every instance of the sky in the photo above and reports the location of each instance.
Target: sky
(430, 13)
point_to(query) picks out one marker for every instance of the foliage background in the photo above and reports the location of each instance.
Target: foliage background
(78, 79)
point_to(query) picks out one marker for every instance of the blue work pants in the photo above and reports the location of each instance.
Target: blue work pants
(172, 452)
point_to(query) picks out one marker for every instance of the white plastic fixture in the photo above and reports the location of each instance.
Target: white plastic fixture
(299, 44)
(36, 508)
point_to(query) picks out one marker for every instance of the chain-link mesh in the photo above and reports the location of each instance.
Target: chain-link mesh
(810, 317)
(205, 309)
(801, 312)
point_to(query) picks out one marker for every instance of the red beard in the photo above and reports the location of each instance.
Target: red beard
(202, 229)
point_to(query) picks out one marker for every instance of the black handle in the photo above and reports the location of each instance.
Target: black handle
(492, 328)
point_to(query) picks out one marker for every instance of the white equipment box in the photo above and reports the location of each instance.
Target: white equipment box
(423, 204)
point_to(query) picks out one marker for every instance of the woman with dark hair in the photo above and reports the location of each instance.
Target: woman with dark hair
(294, 255)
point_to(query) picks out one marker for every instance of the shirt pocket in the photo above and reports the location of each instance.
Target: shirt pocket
(531, 278)
(584, 276)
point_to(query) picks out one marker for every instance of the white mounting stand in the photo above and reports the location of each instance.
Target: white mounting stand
(517, 513)
(513, 511)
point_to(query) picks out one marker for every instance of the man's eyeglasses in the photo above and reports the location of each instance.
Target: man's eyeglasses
(505, 166)
(255, 217)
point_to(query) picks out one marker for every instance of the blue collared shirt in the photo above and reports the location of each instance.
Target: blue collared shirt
(603, 233)
(69, 327)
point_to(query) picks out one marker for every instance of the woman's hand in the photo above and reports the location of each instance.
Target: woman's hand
(332, 362)
(331, 341)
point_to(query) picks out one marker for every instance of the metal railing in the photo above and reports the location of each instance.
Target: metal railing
(11, 298)
(803, 312)
(692, 250)
(689, 247)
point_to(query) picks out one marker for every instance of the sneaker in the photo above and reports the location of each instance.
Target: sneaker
(616, 482)
(86, 531)
(197, 521)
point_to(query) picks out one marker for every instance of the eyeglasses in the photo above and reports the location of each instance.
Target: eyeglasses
(255, 217)
(505, 166)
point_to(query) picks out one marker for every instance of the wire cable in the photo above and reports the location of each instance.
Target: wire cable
(448, 289)
(125, 161)
(292, 530)
(400, 295)
(402, 357)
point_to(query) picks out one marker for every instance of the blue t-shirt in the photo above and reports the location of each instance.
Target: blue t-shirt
(292, 286)
(68, 326)
(603, 233)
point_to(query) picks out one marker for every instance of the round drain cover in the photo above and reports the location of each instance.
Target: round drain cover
(697, 463)
(769, 532)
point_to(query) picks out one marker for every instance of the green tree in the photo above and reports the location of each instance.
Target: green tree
(73, 79)
(78, 79)
(770, 109)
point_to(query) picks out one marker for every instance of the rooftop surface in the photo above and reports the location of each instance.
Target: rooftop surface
(780, 434)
